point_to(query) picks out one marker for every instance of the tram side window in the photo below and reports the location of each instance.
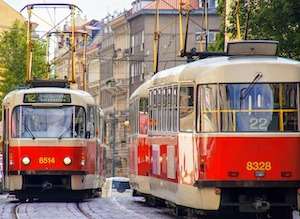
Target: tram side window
(175, 109)
(159, 109)
(91, 121)
(143, 113)
(290, 102)
(169, 109)
(131, 118)
(187, 113)
(154, 118)
(208, 108)
(79, 122)
(164, 110)
(136, 118)
(262, 107)
(150, 110)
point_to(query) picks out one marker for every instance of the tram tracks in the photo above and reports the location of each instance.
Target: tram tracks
(117, 208)
(37, 210)
(83, 211)
(15, 211)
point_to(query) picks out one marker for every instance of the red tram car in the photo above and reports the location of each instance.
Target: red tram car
(52, 142)
(222, 133)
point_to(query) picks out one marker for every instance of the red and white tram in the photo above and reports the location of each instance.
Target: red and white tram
(220, 133)
(52, 142)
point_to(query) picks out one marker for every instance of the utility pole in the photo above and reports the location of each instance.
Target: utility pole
(84, 64)
(113, 142)
(156, 39)
(206, 24)
(73, 45)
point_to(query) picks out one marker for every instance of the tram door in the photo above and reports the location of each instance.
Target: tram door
(91, 137)
(5, 145)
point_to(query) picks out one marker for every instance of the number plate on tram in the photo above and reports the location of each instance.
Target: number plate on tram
(259, 165)
(46, 160)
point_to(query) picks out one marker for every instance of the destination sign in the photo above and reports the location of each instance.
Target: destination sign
(47, 98)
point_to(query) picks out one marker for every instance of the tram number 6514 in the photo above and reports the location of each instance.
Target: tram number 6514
(46, 160)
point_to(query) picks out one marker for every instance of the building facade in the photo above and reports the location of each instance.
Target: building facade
(142, 26)
(114, 92)
(8, 16)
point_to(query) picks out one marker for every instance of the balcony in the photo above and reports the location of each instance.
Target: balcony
(116, 86)
(121, 53)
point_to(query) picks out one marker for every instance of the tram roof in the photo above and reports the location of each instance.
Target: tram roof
(226, 69)
(17, 95)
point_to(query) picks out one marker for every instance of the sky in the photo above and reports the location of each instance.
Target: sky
(94, 9)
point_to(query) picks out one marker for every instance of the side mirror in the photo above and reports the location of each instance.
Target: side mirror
(88, 135)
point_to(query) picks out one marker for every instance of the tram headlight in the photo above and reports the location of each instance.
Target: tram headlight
(26, 160)
(67, 161)
(82, 162)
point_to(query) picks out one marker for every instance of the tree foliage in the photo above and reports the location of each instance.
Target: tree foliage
(13, 58)
(268, 19)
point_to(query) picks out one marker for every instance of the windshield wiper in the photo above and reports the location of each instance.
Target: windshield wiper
(29, 131)
(64, 132)
(246, 91)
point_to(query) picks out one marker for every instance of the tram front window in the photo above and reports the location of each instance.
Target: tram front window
(38, 122)
(259, 107)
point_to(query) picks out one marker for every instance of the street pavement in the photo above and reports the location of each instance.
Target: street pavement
(117, 207)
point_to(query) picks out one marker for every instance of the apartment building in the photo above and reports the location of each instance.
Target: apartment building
(142, 26)
(114, 76)
(8, 16)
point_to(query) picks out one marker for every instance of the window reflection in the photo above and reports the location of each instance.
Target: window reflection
(248, 108)
(187, 108)
(209, 108)
(29, 122)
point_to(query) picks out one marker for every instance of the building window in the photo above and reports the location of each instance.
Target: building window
(212, 3)
(143, 41)
(132, 73)
(132, 44)
(212, 36)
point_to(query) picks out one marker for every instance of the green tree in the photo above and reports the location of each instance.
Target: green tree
(268, 19)
(13, 58)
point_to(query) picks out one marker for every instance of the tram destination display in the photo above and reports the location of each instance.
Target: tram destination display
(47, 98)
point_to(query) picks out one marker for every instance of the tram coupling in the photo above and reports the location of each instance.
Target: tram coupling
(257, 206)
(261, 205)
(47, 186)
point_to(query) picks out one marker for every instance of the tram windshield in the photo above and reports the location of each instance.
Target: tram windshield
(55, 122)
(264, 107)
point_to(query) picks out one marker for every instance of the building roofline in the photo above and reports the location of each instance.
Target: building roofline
(211, 11)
